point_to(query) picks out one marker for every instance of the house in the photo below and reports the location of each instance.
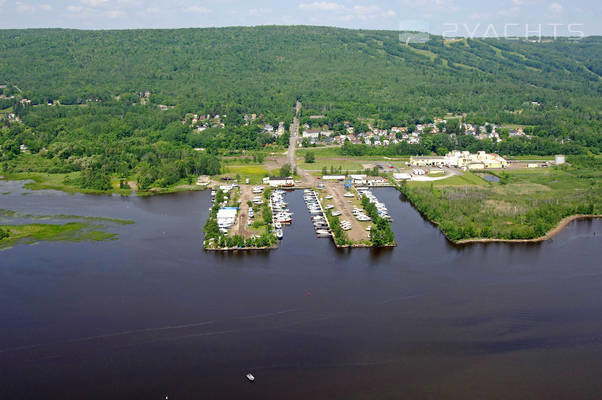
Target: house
(280, 130)
(279, 181)
(341, 139)
(311, 133)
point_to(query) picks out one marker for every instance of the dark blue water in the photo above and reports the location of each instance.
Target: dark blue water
(152, 314)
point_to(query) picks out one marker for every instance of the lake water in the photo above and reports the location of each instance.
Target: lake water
(152, 314)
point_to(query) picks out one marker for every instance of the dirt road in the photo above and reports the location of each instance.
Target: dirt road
(344, 204)
(240, 226)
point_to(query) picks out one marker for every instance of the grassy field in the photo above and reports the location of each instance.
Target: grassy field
(71, 231)
(320, 151)
(351, 165)
(254, 173)
(525, 204)
(467, 178)
(334, 152)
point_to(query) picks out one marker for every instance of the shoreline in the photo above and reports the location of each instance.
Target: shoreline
(551, 233)
(554, 231)
(38, 184)
(240, 248)
(364, 246)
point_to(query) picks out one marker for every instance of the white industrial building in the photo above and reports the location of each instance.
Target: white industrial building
(461, 159)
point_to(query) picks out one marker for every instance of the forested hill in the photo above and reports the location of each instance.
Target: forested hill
(264, 69)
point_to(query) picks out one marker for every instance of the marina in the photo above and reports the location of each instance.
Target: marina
(281, 215)
(318, 216)
(240, 204)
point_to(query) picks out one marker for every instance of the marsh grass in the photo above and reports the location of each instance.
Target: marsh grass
(69, 232)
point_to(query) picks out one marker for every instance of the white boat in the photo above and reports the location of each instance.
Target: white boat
(213, 193)
(250, 377)
(328, 197)
(277, 225)
(336, 213)
(328, 207)
(279, 233)
(322, 233)
(349, 194)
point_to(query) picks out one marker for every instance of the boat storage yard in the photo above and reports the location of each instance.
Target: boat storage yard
(329, 199)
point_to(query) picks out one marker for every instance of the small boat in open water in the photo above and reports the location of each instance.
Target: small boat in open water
(250, 377)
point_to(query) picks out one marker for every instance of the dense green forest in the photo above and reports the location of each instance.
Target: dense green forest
(103, 126)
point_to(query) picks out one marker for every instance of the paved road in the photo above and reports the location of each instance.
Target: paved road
(292, 145)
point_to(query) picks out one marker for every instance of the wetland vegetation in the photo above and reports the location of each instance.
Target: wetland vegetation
(525, 204)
